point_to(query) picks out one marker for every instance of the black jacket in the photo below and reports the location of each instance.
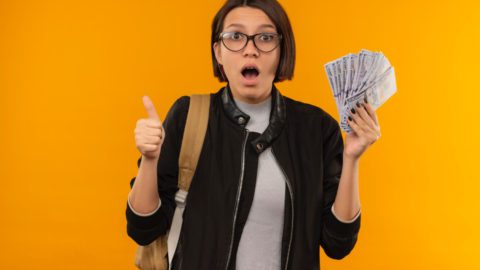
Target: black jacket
(307, 144)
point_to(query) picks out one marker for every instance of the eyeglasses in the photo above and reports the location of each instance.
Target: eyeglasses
(236, 41)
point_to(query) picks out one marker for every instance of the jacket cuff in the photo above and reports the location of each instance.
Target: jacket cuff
(340, 228)
(143, 222)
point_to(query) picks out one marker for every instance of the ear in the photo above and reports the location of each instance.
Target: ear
(216, 49)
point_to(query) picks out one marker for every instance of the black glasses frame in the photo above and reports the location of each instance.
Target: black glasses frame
(250, 37)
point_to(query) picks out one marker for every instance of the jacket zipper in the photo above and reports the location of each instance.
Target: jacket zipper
(293, 210)
(239, 191)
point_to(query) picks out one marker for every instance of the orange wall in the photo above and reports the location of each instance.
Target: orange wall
(72, 74)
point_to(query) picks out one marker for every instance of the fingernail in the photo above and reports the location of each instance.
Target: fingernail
(350, 118)
(358, 104)
(353, 110)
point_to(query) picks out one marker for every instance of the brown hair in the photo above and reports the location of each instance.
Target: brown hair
(279, 17)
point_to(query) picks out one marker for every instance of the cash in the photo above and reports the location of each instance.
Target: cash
(355, 77)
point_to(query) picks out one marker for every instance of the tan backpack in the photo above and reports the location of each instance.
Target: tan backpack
(154, 255)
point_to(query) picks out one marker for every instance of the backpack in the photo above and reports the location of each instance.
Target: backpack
(154, 255)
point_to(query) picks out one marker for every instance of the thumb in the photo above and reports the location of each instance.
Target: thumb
(152, 113)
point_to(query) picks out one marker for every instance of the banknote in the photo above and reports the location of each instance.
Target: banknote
(356, 77)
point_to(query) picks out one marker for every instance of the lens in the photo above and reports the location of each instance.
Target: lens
(267, 41)
(234, 41)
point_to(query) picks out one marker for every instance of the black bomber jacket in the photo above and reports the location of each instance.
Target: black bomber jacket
(308, 146)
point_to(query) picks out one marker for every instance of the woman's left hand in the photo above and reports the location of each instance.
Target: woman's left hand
(365, 130)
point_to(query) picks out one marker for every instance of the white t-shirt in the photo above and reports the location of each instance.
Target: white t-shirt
(261, 241)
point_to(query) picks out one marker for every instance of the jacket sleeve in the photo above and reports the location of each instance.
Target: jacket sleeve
(144, 229)
(337, 237)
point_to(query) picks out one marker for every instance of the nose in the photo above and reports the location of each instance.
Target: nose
(250, 49)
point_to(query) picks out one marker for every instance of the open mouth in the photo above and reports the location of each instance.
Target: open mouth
(250, 72)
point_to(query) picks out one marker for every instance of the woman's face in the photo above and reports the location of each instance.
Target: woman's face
(248, 86)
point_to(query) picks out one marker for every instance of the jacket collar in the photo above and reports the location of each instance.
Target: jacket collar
(277, 117)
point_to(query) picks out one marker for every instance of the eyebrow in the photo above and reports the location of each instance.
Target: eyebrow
(242, 26)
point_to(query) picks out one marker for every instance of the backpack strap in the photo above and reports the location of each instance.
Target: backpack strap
(192, 142)
(193, 138)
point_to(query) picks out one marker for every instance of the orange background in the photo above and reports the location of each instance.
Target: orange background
(72, 74)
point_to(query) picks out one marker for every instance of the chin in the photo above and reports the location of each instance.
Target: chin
(253, 95)
(250, 92)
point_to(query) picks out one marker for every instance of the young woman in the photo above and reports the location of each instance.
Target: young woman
(274, 181)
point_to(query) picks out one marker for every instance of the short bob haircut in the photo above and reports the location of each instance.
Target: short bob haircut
(279, 17)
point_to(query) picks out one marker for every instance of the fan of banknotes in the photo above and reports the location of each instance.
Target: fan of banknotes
(355, 77)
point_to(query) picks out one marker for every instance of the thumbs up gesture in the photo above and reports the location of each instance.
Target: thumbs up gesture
(149, 132)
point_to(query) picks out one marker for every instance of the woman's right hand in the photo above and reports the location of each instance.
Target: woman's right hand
(149, 132)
